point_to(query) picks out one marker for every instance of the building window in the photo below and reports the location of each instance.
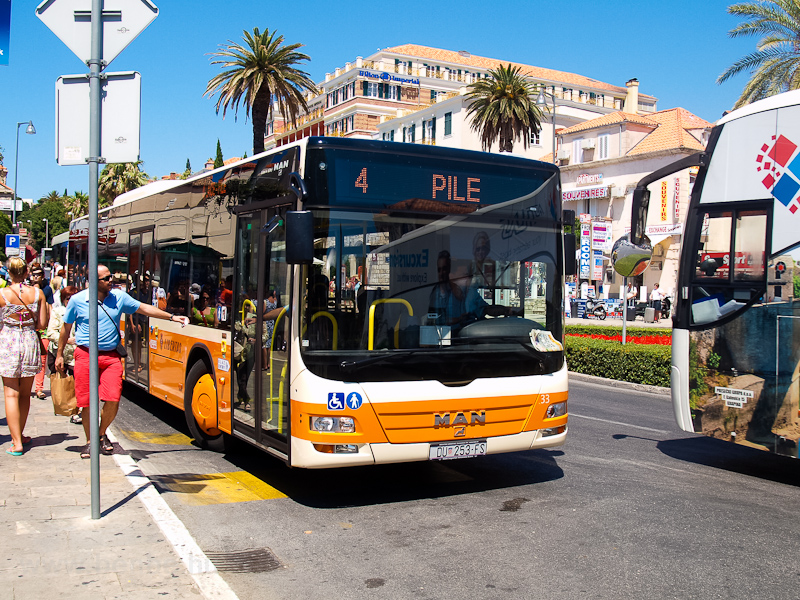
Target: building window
(535, 138)
(412, 133)
(391, 135)
(602, 146)
(448, 124)
(577, 152)
(429, 130)
(371, 89)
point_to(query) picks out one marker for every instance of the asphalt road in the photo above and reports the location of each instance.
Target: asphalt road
(629, 507)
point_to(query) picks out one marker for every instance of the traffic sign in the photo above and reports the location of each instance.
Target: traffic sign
(121, 111)
(12, 244)
(71, 21)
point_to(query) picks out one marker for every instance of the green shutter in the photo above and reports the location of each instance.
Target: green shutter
(363, 88)
(433, 129)
(448, 123)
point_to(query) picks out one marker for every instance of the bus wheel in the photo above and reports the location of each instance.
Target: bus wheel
(200, 408)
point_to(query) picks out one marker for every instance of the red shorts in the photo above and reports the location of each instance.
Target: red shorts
(110, 376)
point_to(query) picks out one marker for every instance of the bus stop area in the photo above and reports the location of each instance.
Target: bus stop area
(51, 543)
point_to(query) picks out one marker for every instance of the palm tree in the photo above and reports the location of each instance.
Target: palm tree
(77, 204)
(258, 73)
(117, 179)
(53, 196)
(503, 107)
(775, 65)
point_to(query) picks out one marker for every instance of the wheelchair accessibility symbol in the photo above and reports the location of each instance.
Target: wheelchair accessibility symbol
(336, 401)
(354, 401)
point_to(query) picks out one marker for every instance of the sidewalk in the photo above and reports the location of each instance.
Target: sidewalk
(51, 545)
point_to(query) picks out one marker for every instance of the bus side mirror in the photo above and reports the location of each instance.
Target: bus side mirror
(570, 262)
(299, 237)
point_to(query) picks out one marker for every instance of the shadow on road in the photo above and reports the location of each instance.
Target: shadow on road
(727, 456)
(361, 486)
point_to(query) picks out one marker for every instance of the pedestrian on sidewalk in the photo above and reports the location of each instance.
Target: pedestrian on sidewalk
(112, 303)
(37, 279)
(655, 298)
(53, 334)
(24, 309)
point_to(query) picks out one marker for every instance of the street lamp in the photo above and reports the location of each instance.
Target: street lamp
(29, 130)
(541, 100)
(46, 232)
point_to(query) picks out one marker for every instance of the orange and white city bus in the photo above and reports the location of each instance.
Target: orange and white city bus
(351, 302)
(736, 324)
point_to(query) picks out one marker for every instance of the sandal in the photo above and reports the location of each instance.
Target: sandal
(105, 445)
(41, 395)
(13, 452)
(86, 452)
(76, 419)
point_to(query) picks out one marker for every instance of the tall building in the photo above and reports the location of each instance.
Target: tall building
(417, 94)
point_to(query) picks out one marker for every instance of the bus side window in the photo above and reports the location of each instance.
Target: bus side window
(750, 250)
(714, 253)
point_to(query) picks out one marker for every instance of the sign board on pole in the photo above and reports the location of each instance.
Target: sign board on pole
(12, 244)
(5, 31)
(121, 104)
(71, 21)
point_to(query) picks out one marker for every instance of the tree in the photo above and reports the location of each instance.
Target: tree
(503, 107)
(117, 179)
(187, 171)
(53, 196)
(258, 73)
(775, 65)
(218, 161)
(77, 204)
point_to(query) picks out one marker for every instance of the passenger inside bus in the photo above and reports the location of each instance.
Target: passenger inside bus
(203, 313)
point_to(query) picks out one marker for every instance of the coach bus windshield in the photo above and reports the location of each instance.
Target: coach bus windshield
(421, 290)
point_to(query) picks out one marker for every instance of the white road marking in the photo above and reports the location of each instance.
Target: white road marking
(211, 584)
(572, 414)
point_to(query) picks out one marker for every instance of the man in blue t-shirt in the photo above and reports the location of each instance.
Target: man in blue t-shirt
(112, 303)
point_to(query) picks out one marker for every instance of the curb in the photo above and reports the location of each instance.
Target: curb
(202, 570)
(638, 387)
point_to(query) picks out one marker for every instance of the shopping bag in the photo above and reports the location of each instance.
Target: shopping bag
(62, 390)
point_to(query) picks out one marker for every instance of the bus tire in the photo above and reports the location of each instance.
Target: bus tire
(199, 387)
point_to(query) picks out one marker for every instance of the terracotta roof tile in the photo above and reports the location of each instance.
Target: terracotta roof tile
(471, 60)
(610, 119)
(672, 132)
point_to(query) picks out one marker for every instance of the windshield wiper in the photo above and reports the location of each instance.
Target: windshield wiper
(348, 366)
(505, 340)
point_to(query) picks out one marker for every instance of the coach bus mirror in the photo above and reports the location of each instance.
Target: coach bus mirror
(299, 237)
(629, 259)
(570, 262)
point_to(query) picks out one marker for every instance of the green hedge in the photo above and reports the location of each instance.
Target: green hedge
(630, 332)
(637, 363)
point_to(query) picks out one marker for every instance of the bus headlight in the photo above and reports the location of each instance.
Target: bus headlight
(334, 424)
(559, 409)
(322, 423)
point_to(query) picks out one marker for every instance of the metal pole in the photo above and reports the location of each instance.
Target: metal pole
(553, 96)
(624, 309)
(16, 178)
(95, 66)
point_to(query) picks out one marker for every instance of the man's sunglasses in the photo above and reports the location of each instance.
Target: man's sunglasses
(106, 278)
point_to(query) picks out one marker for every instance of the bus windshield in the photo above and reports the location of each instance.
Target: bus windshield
(420, 290)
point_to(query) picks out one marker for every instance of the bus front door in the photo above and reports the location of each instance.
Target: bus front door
(261, 337)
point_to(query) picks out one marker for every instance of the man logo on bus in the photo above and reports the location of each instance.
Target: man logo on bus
(781, 161)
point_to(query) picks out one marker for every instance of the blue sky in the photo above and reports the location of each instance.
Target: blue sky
(675, 48)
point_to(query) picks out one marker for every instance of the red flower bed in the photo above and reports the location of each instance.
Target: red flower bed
(659, 340)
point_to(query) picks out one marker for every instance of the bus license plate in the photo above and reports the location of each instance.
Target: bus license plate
(457, 450)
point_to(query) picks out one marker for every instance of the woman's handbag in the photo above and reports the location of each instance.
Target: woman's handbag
(62, 390)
